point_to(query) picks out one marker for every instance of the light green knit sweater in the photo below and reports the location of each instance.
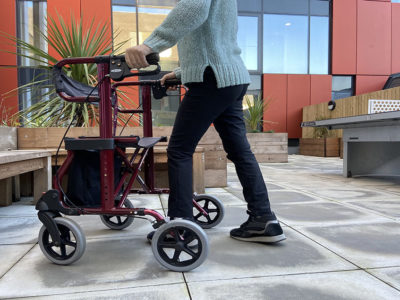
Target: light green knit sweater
(206, 33)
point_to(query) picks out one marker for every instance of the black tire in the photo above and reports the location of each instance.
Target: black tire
(180, 245)
(73, 242)
(213, 207)
(118, 222)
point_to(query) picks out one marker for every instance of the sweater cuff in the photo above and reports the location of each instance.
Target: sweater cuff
(178, 73)
(155, 43)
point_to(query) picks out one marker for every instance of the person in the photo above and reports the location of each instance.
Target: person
(217, 80)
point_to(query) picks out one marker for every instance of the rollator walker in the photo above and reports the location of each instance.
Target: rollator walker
(101, 174)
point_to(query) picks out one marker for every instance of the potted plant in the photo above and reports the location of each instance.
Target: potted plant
(76, 40)
(322, 143)
(266, 146)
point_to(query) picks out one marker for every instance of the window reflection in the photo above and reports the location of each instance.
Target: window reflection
(151, 16)
(342, 87)
(133, 24)
(285, 44)
(124, 25)
(248, 41)
(31, 16)
(319, 45)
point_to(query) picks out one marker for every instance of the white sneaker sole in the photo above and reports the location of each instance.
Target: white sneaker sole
(262, 239)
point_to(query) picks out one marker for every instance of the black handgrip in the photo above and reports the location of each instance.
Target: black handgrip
(172, 82)
(119, 69)
(160, 91)
(153, 59)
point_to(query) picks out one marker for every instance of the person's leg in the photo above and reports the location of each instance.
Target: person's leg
(232, 130)
(262, 225)
(200, 106)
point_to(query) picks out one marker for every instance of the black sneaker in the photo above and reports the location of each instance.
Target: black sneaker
(265, 229)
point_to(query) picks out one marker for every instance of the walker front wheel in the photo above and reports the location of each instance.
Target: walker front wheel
(73, 242)
(180, 245)
(208, 211)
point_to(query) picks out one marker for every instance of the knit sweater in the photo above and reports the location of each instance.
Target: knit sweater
(206, 34)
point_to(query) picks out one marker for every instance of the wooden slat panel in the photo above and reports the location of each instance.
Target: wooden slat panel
(20, 167)
(346, 107)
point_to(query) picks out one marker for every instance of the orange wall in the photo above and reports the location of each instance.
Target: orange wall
(298, 96)
(367, 84)
(275, 88)
(8, 76)
(344, 36)
(65, 9)
(374, 38)
(289, 94)
(395, 38)
(321, 88)
(90, 9)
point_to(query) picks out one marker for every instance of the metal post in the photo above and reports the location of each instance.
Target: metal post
(106, 126)
(148, 132)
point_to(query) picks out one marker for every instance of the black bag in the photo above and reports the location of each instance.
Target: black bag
(83, 187)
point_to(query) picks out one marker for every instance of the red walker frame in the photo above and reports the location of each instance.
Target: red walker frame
(108, 125)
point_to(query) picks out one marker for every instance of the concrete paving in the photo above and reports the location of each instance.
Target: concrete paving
(343, 242)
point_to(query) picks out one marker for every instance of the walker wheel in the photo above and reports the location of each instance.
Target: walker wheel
(180, 245)
(73, 242)
(212, 206)
(118, 222)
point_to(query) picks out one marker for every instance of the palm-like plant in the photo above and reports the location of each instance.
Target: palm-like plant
(255, 110)
(67, 41)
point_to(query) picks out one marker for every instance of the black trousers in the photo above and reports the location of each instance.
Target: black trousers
(203, 105)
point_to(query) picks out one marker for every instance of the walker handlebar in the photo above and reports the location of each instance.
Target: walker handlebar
(75, 91)
(119, 69)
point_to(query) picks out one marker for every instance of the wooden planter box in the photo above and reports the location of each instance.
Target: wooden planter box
(269, 147)
(326, 147)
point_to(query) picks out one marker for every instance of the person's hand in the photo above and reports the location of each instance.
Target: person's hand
(135, 56)
(167, 76)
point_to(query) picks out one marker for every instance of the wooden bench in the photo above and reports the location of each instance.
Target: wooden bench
(16, 162)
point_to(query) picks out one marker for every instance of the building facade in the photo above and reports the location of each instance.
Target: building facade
(298, 52)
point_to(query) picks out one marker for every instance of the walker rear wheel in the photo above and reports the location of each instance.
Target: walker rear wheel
(73, 242)
(213, 208)
(180, 245)
(118, 222)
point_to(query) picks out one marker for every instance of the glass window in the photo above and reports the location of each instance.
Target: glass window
(319, 8)
(342, 87)
(31, 16)
(285, 44)
(249, 5)
(133, 23)
(293, 7)
(248, 41)
(124, 26)
(151, 16)
(123, 2)
(396, 1)
(296, 37)
(319, 45)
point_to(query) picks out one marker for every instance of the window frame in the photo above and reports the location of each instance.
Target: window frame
(259, 41)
